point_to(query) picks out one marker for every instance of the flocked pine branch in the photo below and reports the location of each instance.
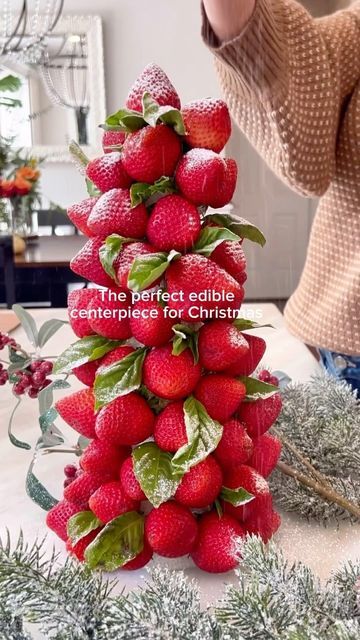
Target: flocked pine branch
(273, 600)
(321, 418)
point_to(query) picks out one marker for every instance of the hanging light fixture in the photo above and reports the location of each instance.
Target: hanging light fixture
(24, 26)
(65, 76)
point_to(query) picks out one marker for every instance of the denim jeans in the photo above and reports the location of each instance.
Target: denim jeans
(342, 366)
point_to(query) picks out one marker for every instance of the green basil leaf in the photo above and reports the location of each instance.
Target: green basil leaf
(93, 191)
(185, 338)
(48, 329)
(236, 497)
(27, 323)
(148, 268)
(81, 524)
(211, 237)
(119, 378)
(10, 83)
(84, 350)
(256, 389)
(153, 113)
(203, 435)
(155, 473)
(142, 191)
(110, 250)
(245, 325)
(37, 492)
(120, 541)
(243, 228)
(125, 120)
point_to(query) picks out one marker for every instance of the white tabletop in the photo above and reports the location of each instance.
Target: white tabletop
(323, 549)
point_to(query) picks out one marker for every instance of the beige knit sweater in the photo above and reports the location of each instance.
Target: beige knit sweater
(293, 86)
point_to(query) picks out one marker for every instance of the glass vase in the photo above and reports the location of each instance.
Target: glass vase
(21, 216)
(6, 227)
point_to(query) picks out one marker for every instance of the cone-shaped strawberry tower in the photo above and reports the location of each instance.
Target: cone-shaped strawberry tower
(176, 450)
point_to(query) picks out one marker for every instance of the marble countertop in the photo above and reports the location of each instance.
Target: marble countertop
(322, 549)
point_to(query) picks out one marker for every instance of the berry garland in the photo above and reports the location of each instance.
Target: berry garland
(272, 600)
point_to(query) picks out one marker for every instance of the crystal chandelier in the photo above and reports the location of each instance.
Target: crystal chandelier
(24, 25)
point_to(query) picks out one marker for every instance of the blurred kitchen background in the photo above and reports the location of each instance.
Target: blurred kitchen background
(83, 70)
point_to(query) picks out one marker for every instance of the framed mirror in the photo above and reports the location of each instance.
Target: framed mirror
(63, 96)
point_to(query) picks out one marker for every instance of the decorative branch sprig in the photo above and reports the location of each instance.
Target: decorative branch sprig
(272, 600)
(319, 472)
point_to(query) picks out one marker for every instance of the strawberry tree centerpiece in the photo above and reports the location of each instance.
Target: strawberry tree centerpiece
(176, 453)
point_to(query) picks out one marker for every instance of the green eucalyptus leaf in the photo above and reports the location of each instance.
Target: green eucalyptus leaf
(18, 366)
(236, 497)
(241, 227)
(47, 419)
(27, 323)
(37, 492)
(203, 436)
(245, 325)
(155, 473)
(85, 350)
(82, 443)
(12, 438)
(48, 329)
(46, 395)
(148, 268)
(81, 524)
(211, 237)
(110, 250)
(120, 541)
(119, 378)
(256, 389)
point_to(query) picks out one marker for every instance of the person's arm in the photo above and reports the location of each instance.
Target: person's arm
(228, 17)
(287, 78)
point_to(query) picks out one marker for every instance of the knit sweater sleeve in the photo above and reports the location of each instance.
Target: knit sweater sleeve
(287, 78)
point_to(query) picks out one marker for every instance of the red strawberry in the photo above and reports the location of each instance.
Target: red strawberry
(264, 524)
(107, 172)
(155, 81)
(168, 376)
(127, 420)
(220, 345)
(266, 453)
(151, 152)
(87, 263)
(230, 256)
(141, 559)
(80, 490)
(170, 429)
(78, 301)
(125, 260)
(86, 372)
(113, 213)
(110, 327)
(205, 178)
(260, 415)
(129, 482)
(149, 325)
(248, 363)
(58, 517)
(215, 550)
(110, 501)
(79, 214)
(195, 274)
(207, 123)
(235, 446)
(201, 485)
(174, 224)
(249, 479)
(103, 457)
(115, 356)
(171, 530)
(113, 140)
(78, 549)
(78, 411)
(220, 395)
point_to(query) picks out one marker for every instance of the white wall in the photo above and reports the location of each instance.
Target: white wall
(137, 32)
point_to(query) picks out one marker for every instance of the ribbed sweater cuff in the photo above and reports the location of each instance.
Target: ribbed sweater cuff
(257, 56)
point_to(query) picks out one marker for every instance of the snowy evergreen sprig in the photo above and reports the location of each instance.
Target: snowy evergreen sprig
(272, 600)
(321, 419)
